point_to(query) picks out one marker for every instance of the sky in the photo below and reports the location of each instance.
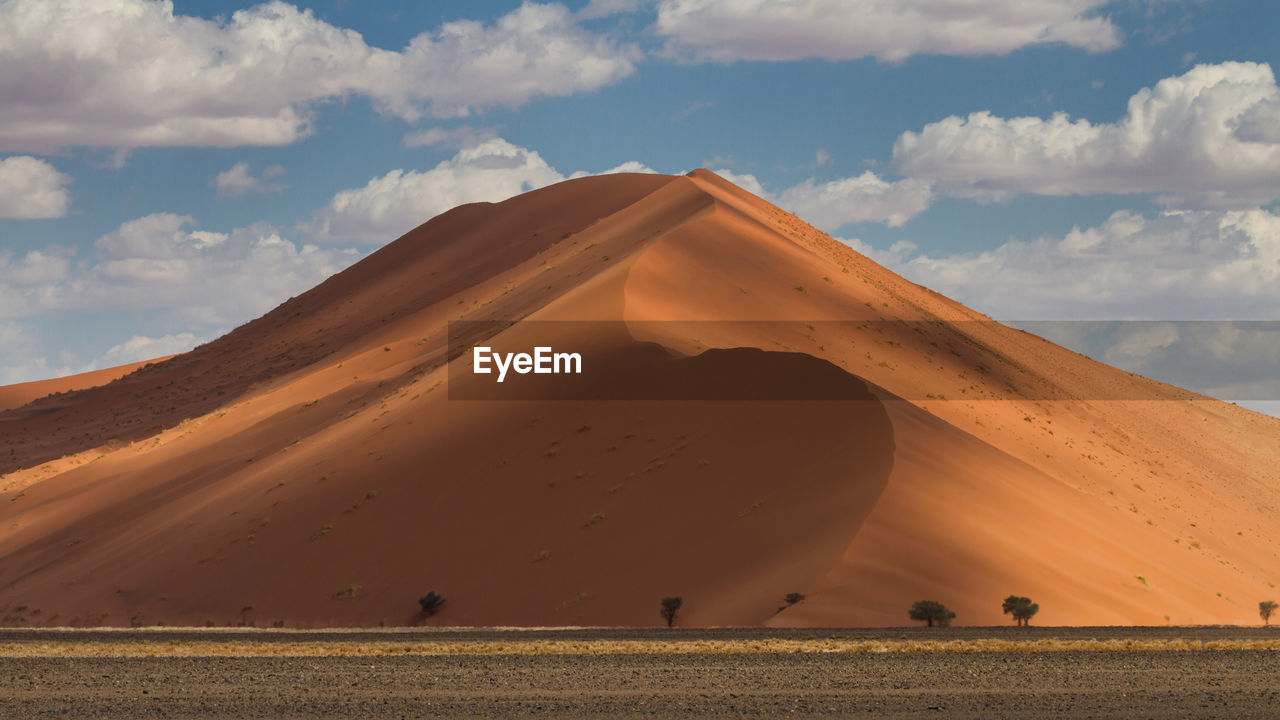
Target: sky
(171, 170)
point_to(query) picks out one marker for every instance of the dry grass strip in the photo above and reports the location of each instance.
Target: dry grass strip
(239, 648)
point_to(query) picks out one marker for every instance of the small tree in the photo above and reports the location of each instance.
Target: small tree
(431, 602)
(793, 598)
(1265, 608)
(931, 612)
(1021, 608)
(671, 606)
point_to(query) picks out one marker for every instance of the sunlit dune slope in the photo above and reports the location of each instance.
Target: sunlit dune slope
(319, 466)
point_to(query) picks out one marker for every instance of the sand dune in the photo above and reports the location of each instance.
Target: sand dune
(332, 461)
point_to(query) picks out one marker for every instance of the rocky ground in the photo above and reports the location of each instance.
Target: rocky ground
(991, 684)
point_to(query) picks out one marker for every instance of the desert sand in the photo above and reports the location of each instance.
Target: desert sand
(329, 463)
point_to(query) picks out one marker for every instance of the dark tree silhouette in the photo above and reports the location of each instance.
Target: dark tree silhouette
(793, 598)
(431, 602)
(671, 606)
(932, 612)
(1021, 608)
(1265, 608)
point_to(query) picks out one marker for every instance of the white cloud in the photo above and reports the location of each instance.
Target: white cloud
(532, 51)
(455, 137)
(31, 188)
(238, 180)
(395, 203)
(1178, 264)
(1207, 137)
(391, 205)
(184, 284)
(203, 279)
(746, 181)
(36, 267)
(1260, 123)
(200, 280)
(730, 30)
(630, 166)
(132, 73)
(862, 198)
(141, 347)
(32, 280)
(857, 199)
(22, 358)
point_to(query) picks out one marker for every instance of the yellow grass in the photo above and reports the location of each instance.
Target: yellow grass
(240, 648)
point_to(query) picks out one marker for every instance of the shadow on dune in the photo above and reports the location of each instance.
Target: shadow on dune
(800, 451)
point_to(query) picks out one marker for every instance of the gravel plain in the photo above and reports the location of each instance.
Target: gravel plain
(1134, 683)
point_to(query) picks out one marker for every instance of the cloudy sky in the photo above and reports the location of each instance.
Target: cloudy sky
(169, 170)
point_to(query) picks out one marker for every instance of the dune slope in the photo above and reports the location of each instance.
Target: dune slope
(765, 412)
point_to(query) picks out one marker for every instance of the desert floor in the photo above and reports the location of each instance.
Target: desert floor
(906, 672)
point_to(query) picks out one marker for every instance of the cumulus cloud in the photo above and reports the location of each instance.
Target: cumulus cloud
(238, 180)
(857, 199)
(534, 50)
(746, 181)
(32, 280)
(630, 166)
(1207, 139)
(189, 284)
(861, 198)
(132, 73)
(730, 30)
(22, 357)
(25, 359)
(183, 284)
(395, 203)
(1181, 264)
(203, 279)
(199, 279)
(31, 188)
(141, 347)
(1260, 123)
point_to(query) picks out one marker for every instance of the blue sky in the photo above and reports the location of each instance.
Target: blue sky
(171, 170)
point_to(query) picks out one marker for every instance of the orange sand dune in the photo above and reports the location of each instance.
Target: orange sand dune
(334, 460)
